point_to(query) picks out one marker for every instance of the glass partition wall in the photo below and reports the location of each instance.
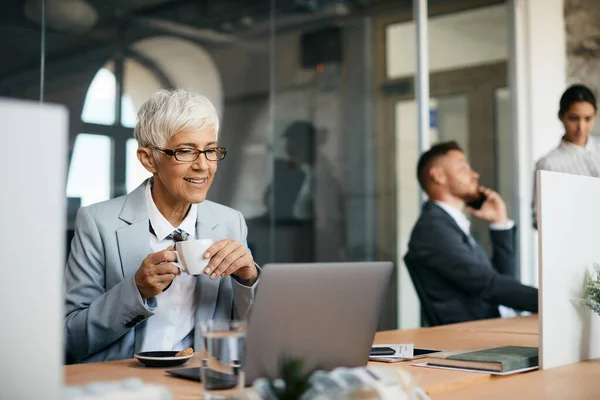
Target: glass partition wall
(315, 99)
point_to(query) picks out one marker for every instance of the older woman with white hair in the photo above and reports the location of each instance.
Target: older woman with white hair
(123, 293)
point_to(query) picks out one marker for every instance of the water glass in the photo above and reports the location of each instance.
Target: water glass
(222, 350)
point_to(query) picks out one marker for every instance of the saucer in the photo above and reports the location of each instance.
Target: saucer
(162, 359)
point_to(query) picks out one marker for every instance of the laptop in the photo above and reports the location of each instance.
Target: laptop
(325, 313)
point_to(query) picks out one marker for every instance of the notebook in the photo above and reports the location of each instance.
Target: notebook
(497, 359)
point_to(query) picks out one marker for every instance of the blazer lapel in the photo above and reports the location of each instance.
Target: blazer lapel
(469, 241)
(207, 289)
(133, 242)
(438, 212)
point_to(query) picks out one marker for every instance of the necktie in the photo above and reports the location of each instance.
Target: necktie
(178, 235)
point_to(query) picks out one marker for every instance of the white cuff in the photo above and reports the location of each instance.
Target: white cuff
(503, 227)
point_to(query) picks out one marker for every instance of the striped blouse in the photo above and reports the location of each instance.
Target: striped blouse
(571, 159)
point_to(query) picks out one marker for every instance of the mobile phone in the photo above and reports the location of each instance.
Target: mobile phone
(382, 351)
(477, 203)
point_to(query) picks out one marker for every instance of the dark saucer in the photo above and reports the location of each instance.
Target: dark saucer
(161, 359)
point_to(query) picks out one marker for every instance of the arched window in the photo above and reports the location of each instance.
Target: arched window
(99, 104)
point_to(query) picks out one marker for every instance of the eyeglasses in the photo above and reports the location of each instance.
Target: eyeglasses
(191, 155)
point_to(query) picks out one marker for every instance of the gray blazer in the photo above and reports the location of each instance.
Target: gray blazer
(105, 313)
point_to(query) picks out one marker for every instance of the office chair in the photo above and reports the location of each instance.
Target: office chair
(428, 314)
(69, 238)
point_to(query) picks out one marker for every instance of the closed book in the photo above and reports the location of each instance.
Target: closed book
(497, 359)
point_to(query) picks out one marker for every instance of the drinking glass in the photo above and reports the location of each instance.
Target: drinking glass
(222, 357)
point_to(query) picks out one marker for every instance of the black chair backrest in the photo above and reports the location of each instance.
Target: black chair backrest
(69, 239)
(426, 307)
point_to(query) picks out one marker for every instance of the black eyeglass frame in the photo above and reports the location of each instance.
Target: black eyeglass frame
(220, 151)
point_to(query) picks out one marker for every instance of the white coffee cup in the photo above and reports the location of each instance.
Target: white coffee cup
(190, 255)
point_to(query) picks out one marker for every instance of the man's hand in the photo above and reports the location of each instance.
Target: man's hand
(229, 257)
(493, 209)
(156, 272)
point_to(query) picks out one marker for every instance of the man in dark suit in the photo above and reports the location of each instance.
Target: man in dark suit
(458, 279)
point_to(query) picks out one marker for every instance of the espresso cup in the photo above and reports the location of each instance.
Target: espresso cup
(190, 255)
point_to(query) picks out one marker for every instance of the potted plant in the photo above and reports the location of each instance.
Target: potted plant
(592, 290)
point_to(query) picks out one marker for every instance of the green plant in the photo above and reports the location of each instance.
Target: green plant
(293, 382)
(592, 290)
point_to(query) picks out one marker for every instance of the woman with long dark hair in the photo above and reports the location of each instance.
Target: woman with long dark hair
(578, 153)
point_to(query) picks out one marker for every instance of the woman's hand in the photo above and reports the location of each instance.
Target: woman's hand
(228, 257)
(156, 272)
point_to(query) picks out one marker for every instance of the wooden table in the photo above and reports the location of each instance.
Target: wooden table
(436, 380)
(118, 370)
(524, 325)
(577, 381)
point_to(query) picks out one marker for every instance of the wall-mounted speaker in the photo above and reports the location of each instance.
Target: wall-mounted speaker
(323, 46)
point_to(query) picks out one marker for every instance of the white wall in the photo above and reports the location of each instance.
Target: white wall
(456, 40)
(537, 80)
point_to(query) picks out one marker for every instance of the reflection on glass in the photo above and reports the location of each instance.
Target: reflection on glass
(89, 171)
(136, 173)
(293, 198)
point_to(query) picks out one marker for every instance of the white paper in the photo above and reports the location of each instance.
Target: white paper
(426, 365)
(402, 352)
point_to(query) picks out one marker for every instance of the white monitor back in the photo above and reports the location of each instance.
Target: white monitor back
(569, 245)
(32, 240)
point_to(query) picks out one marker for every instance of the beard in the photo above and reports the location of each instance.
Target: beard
(472, 195)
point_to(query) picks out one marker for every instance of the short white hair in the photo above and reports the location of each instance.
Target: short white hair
(168, 112)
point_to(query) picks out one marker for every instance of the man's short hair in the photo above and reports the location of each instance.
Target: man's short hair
(429, 157)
